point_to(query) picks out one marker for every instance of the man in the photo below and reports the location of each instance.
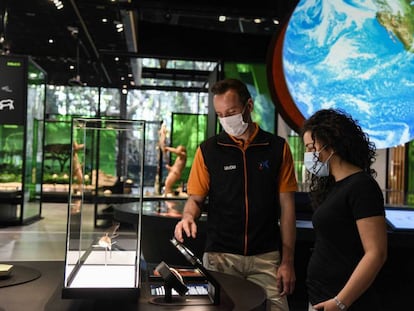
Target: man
(249, 179)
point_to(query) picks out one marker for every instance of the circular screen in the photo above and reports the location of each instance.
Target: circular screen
(357, 56)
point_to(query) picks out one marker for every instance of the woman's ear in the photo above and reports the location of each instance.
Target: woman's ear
(250, 105)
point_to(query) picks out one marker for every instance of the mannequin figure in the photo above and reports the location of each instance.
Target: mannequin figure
(174, 171)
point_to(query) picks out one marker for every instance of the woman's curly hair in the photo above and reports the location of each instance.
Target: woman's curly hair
(338, 130)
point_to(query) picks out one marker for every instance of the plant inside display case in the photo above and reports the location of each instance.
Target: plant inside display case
(56, 154)
(11, 153)
(10, 174)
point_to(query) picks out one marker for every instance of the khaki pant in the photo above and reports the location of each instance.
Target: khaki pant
(259, 269)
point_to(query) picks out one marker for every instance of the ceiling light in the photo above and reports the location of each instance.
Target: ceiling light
(275, 21)
(116, 58)
(104, 20)
(51, 41)
(119, 27)
(222, 18)
(58, 4)
(257, 20)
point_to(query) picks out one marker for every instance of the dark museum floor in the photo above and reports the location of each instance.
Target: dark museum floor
(41, 242)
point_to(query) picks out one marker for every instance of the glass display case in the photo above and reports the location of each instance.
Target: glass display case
(22, 101)
(105, 260)
(56, 159)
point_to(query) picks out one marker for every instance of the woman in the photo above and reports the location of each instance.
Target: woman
(350, 228)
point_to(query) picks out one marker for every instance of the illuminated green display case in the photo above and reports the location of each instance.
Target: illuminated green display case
(22, 102)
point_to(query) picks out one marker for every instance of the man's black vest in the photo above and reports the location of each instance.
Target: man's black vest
(243, 200)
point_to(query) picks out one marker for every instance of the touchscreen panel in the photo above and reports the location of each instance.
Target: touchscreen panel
(400, 219)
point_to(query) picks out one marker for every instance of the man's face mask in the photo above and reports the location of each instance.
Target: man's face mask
(314, 165)
(234, 125)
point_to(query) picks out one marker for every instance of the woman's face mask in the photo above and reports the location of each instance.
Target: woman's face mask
(234, 125)
(314, 165)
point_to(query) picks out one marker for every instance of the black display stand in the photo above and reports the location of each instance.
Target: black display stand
(43, 294)
(173, 280)
(19, 274)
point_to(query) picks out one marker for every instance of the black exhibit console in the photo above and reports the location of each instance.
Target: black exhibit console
(395, 282)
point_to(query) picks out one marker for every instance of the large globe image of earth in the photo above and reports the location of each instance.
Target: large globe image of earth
(357, 56)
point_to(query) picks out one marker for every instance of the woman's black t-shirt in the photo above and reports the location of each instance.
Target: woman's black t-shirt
(338, 247)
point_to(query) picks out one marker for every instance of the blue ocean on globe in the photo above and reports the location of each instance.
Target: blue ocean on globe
(357, 56)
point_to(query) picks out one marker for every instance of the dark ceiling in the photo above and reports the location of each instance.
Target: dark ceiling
(85, 36)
